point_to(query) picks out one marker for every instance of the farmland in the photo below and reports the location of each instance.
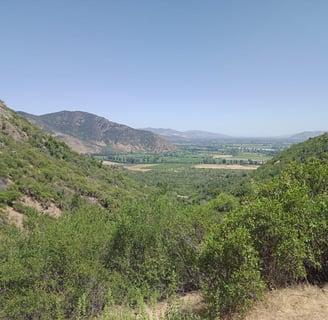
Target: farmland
(241, 155)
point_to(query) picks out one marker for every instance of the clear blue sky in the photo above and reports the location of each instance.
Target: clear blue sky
(238, 67)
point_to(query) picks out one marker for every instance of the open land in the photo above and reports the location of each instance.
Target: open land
(225, 166)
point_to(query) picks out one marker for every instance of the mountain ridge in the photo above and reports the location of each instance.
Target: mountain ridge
(85, 132)
(175, 135)
(197, 135)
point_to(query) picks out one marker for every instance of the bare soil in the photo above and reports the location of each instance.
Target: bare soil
(225, 166)
(51, 209)
(222, 156)
(110, 163)
(17, 218)
(140, 167)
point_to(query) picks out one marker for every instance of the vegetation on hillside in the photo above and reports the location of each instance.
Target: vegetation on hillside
(122, 240)
(313, 148)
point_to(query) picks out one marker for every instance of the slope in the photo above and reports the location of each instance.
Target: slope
(38, 171)
(88, 133)
(316, 147)
(77, 237)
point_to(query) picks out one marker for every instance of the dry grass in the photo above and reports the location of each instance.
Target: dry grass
(301, 302)
(15, 217)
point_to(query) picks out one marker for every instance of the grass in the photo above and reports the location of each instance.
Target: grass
(301, 302)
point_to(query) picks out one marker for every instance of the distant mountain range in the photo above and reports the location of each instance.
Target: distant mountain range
(299, 137)
(190, 135)
(198, 135)
(87, 133)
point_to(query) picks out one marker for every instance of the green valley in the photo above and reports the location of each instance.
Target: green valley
(86, 239)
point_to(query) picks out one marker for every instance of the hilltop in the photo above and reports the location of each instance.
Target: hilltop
(88, 133)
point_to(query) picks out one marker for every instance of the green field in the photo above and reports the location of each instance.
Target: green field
(189, 155)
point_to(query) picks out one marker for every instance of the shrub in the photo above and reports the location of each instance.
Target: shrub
(230, 267)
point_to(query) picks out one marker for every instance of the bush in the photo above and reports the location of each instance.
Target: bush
(230, 266)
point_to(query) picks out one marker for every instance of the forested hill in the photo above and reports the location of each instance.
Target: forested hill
(87, 133)
(316, 147)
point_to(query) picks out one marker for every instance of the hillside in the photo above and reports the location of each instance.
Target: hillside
(303, 136)
(84, 241)
(40, 172)
(316, 147)
(87, 133)
(79, 238)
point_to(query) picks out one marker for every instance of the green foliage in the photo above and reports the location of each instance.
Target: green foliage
(277, 237)
(8, 196)
(299, 153)
(230, 265)
(125, 239)
(151, 249)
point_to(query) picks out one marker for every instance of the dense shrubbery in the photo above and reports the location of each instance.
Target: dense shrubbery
(124, 242)
(276, 238)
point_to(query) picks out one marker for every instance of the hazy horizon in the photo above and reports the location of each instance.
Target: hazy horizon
(248, 69)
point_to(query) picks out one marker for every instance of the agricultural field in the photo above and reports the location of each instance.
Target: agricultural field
(199, 172)
(240, 155)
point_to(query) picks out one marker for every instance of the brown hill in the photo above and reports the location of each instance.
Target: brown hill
(87, 133)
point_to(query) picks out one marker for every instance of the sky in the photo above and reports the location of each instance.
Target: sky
(237, 67)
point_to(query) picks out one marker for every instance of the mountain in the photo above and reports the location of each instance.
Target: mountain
(176, 136)
(303, 136)
(190, 135)
(88, 133)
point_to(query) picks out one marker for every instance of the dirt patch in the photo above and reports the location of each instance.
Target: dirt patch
(110, 163)
(225, 166)
(140, 167)
(14, 217)
(50, 209)
(222, 156)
